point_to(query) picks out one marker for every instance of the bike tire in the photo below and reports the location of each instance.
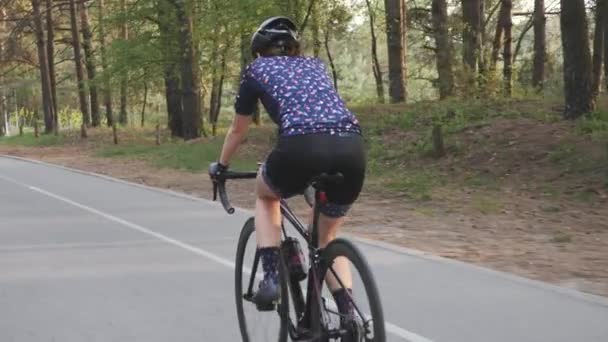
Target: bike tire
(344, 248)
(283, 306)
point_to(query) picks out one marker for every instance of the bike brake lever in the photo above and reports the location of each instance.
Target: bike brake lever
(214, 191)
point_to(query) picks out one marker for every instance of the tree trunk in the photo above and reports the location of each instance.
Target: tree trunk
(577, 59)
(396, 37)
(606, 49)
(376, 64)
(316, 30)
(540, 45)
(3, 97)
(143, 109)
(47, 104)
(334, 72)
(82, 95)
(217, 86)
(89, 63)
(50, 47)
(246, 58)
(472, 34)
(191, 115)
(174, 100)
(170, 71)
(507, 55)
(443, 44)
(107, 90)
(527, 27)
(124, 34)
(497, 42)
(598, 45)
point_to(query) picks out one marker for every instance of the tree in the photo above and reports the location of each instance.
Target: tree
(471, 14)
(47, 104)
(50, 47)
(376, 64)
(3, 97)
(507, 55)
(540, 44)
(124, 34)
(89, 63)
(577, 59)
(444, 48)
(191, 115)
(166, 16)
(107, 90)
(82, 96)
(396, 37)
(599, 41)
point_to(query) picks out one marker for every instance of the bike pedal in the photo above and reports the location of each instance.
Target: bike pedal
(266, 307)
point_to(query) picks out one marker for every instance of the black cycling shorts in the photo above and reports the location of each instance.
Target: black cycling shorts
(297, 159)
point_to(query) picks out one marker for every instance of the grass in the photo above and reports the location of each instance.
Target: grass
(399, 142)
(192, 157)
(487, 205)
(416, 185)
(561, 237)
(28, 139)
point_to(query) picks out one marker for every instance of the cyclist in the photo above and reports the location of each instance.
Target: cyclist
(317, 134)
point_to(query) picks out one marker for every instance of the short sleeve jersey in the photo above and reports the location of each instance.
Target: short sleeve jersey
(297, 93)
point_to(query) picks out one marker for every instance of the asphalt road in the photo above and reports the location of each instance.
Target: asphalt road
(86, 258)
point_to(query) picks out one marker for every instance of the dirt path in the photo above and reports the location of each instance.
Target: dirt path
(562, 243)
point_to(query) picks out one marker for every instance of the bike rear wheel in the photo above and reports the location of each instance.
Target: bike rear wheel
(367, 323)
(267, 326)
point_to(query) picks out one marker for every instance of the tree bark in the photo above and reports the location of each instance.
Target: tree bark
(174, 100)
(173, 95)
(598, 45)
(396, 37)
(334, 72)
(3, 97)
(143, 109)
(50, 47)
(376, 64)
(540, 45)
(444, 48)
(472, 34)
(191, 116)
(217, 80)
(497, 42)
(124, 34)
(316, 32)
(89, 63)
(107, 90)
(47, 101)
(527, 27)
(84, 105)
(507, 55)
(246, 58)
(577, 59)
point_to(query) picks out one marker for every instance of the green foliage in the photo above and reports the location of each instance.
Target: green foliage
(192, 157)
(595, 124)
(28, 139)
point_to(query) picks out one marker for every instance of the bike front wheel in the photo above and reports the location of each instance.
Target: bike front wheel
(267, 326)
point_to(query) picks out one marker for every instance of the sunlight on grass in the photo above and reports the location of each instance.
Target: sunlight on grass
(28, 139)
(192, 157)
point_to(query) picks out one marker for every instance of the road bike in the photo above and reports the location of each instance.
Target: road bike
(305, 310)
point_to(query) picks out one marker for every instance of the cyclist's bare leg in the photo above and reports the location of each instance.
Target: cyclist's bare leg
(267, 215)
(328, 229)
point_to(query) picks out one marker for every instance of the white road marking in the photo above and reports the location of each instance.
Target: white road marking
(391, 328)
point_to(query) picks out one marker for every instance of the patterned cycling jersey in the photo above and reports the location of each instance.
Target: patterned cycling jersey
(298, 95)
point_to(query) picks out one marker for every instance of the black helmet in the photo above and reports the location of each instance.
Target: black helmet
(276, 31)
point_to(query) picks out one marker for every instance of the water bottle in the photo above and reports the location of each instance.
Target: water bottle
(294, 258)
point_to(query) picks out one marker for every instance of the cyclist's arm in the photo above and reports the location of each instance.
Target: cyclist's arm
(236, 134)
